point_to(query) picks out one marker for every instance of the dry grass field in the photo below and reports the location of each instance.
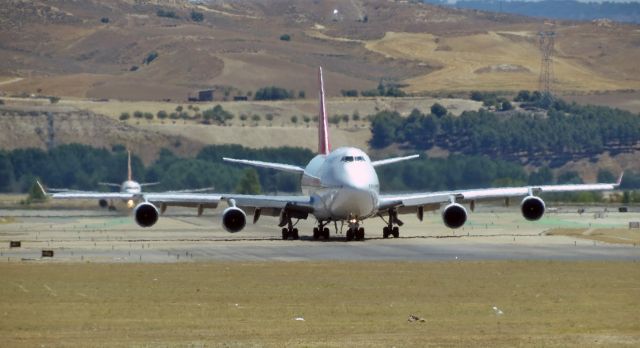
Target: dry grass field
(610, 235)
(63, 48)
(356, 304)
(489, 61)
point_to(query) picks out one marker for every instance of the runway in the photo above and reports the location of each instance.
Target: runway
(89, 236)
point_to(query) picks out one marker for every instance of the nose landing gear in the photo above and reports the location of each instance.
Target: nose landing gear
(355, 232)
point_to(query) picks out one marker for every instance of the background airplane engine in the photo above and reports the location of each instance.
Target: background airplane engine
(233, 219)
(103, 203)
(146, 214)
(532, 208)
(454, 215)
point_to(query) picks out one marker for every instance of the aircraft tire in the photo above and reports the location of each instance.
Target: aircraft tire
(350, 235)
(325, 233)
(285, 234)
(360, 234)
(294, 234)
(385, 232)
(316, 233)
(396, 232)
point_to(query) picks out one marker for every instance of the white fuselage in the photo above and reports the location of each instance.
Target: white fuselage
(130, 186)
(342, 185)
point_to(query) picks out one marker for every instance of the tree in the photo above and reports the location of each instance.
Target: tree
(506, 105)
(302, 94)
(138, 114)
(285, 37)
(249, 184)
(150, 57)
(35, 194)
(179, 108)
(438, 110)
(124, 116)
(294, 119)
(197, 16)
(162, 114)
(605, 176)
(349, 92)
(6, 172)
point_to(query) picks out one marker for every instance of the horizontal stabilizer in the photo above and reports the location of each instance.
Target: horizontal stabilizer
(392, 160)
(277, 166)
(109, 184)
(150, 184)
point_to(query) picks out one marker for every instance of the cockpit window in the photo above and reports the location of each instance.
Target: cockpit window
(352, 159)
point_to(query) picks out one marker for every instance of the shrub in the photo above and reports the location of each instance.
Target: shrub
(349, 92)
(138, 114)
(197, 16)
(124, 116)
(167, 14)
(162, 114)
(285, 37)
(104, 20)
(150, 57)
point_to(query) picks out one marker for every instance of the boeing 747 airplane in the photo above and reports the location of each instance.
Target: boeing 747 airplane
(341, 185)
(130, 191)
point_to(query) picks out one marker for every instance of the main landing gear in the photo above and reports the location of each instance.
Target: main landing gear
(321, 231)
(288, 228)
(391, 230)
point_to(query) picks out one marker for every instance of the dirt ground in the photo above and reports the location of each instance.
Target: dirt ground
(328, 304)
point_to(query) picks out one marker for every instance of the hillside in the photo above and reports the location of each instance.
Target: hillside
(96, 49)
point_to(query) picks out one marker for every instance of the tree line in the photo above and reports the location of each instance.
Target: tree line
(563, 131)
(82, 167)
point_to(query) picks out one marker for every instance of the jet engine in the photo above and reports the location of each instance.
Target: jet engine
(146, 214)
(103, 203)
(233, 219)
(454, 215)
(532, 208)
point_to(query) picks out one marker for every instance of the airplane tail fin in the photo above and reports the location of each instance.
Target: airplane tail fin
(129, 174)
(324, 147)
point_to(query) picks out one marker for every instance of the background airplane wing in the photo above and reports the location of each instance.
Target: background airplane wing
(434, 199)
(91, 195)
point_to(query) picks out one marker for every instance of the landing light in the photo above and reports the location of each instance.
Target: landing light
(130, 204)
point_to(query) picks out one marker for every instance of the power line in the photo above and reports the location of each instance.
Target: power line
(546, 41)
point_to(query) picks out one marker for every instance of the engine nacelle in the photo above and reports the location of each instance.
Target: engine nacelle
(233, 219)
(532, 208)
(103, 203)
(146, 214)
(454, 215)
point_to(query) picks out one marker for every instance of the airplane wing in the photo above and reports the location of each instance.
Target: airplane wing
(434, 199)
(277, 166)
(270, 205)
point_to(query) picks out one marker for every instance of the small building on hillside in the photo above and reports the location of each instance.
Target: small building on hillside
(205, 95)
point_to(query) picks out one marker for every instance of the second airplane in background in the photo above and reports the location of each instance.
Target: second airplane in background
(342, 185)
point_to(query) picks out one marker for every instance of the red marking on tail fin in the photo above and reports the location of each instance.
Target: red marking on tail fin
(129, 174)
(324, 147)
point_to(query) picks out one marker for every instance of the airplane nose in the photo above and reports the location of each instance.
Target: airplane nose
(357, 179)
